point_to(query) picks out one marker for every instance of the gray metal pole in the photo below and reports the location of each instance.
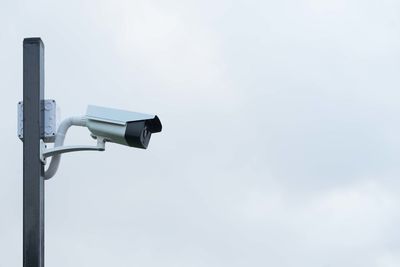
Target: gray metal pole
(33, 169)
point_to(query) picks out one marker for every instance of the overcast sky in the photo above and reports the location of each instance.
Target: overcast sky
(280, 143)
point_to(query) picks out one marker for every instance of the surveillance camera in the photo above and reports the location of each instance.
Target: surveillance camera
(122, 127)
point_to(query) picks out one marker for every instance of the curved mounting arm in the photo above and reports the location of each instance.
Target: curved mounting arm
(58, 149)
(45, 153)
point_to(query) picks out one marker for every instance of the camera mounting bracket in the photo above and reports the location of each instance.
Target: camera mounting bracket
(49, 152)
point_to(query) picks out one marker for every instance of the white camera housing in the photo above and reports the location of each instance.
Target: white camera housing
(122, 127)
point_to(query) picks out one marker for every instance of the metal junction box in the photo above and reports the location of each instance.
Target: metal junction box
(50, 124)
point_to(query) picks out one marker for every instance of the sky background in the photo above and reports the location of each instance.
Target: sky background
(280, 143)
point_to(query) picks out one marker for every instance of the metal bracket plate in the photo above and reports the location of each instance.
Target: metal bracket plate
(50, 126)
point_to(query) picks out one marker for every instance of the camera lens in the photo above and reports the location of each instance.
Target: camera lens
(145, 132)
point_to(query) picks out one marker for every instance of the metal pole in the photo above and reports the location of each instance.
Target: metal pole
(33, 169)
